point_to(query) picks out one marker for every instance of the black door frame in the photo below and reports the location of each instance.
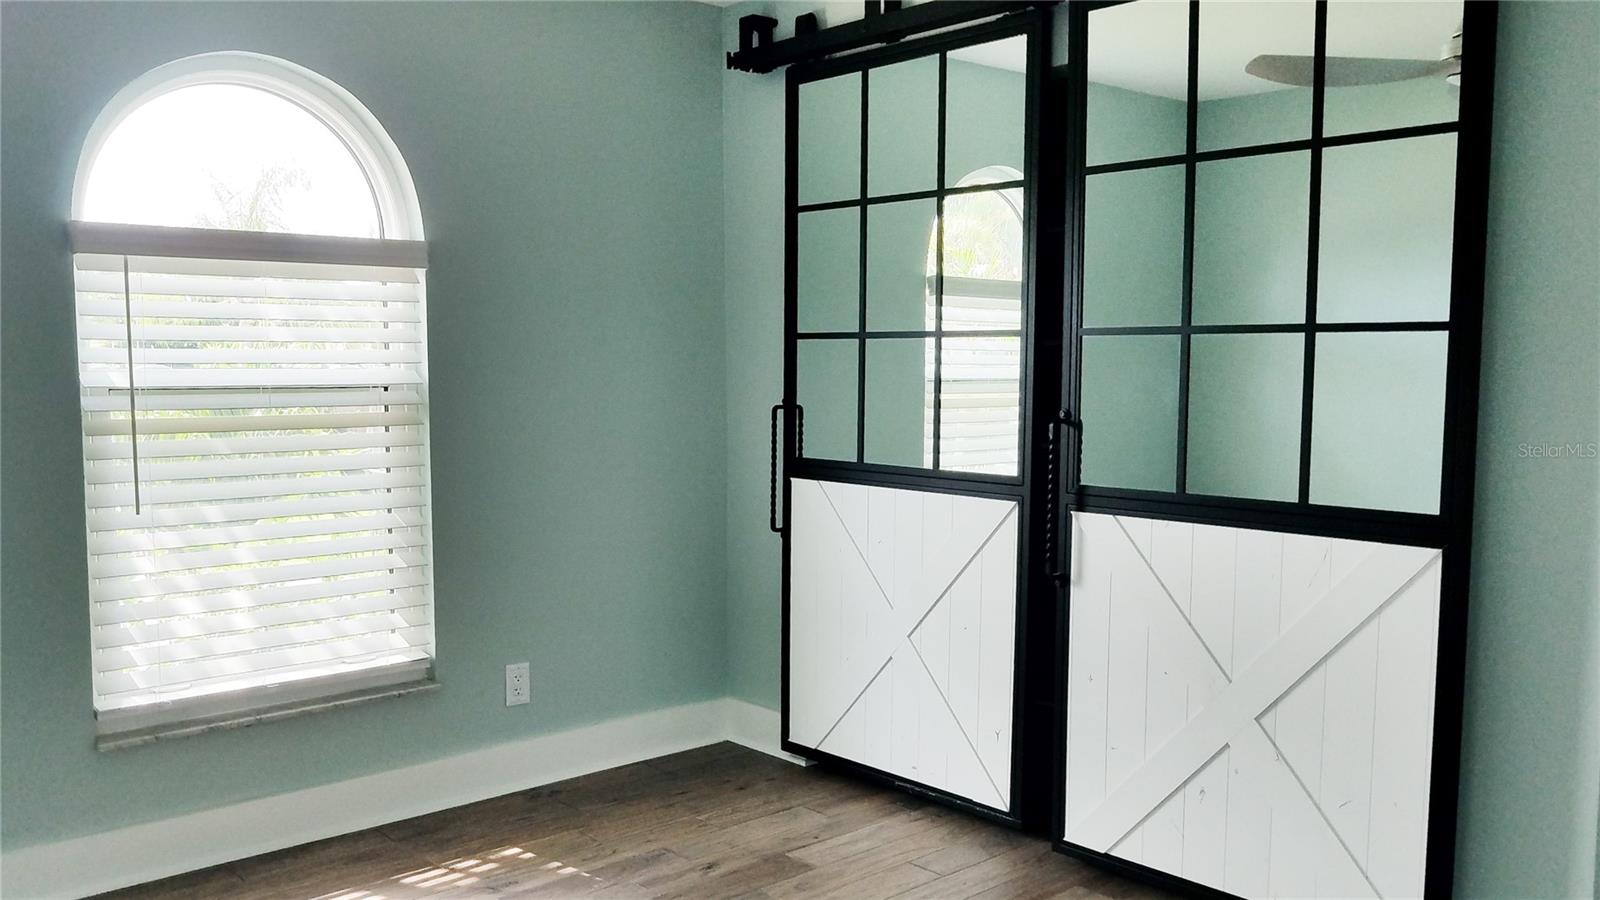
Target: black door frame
(1032, 684)
(1450, 530)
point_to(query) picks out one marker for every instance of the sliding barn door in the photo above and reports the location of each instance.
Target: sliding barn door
(1249, 709)
(902, 633)
(906, 445)
(1271, 368)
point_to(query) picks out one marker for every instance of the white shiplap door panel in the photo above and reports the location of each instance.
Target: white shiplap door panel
(902, 633)
(1251, 710)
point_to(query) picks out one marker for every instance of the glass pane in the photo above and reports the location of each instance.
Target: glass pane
(899, 414)
(1377, 420)
(1391, 65)
(830, 139)
(1244, 415)
(1255, 72)
(233, 157)
(1130, 411)
(983, 260)
(825, 384)
(1387, 230)
(1137, 104)
(1250, 239)
(1133, 247)
(898, 238)
(903, 127)
(828, 276)
(985, 106)
(980, 381)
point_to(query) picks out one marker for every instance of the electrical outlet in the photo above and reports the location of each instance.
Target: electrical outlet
(516, 684)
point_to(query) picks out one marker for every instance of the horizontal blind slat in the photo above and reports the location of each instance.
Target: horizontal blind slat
(245, 356)
(112, 590)
(97, 329)
(155, 539)
(150, 378)
(122, 634)
(248, 599)
(114, 471)
(118, 447)
(113, 567)
(98, 425)
(101, 496)
(223, 646)
(366, 501)
(110, 307)
(277, 663)
(204, 400)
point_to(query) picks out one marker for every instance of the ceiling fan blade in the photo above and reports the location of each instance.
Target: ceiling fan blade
(1344, 71)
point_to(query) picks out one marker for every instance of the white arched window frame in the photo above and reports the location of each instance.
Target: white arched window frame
(980, 376)
(255, 440)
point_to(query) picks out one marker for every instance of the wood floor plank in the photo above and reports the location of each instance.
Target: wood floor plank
(719, 821)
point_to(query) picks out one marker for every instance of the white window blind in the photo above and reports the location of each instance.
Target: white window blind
(256, 466)
(980, 377)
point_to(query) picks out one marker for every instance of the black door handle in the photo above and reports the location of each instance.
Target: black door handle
(772, 473)
(1052, 480)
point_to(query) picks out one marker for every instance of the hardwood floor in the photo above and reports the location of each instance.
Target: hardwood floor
(720, 821)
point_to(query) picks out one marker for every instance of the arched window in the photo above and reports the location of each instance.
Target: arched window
(248, 263)
(980, 376)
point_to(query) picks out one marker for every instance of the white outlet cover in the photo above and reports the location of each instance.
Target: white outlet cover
(517, 684)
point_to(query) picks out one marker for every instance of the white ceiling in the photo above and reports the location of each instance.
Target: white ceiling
(1143, 47)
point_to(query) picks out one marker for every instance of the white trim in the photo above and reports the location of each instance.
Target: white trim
(143, 723)
(758, 728)
(140, 853)
(167, 242)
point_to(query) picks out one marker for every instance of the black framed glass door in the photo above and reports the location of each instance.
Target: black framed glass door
(1276, 223)
(908, 448)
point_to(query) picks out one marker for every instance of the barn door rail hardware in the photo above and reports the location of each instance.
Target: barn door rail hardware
(760, 54)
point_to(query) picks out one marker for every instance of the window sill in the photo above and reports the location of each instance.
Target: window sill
(139, 737)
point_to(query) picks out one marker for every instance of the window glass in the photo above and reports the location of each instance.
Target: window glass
(1133, 247)
(828, 269)
(232, 157)
(1377, 420)
(826, 389)
(903, 127)
(1137, 105)
(830, 139)
(1244, 415)
(254, 431)
(1130, 411)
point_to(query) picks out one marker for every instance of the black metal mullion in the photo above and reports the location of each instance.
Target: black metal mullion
(1319, 67)
(1252, 328)
(861, 275)
(1186, 316)
(1248, 150)
(917, 195)
(909, 333)
(938, 265)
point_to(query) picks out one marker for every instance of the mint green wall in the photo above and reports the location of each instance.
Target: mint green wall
(1531, 764)
(567, 157)
(752, 203)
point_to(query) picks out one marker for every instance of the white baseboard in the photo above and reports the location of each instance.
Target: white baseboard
(756, 727)
(86, 865)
